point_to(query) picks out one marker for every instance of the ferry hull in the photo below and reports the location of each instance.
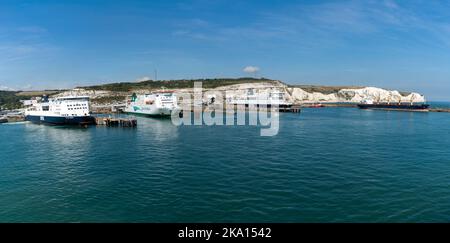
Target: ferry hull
(154, 112)
(400, 107)
(165, 114)
(56, 120)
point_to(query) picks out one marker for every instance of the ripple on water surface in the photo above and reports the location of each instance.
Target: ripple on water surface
(325, 165)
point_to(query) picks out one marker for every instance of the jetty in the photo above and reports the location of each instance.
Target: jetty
(115, 122)
(292, 109)
(11, 118)
(439, 110)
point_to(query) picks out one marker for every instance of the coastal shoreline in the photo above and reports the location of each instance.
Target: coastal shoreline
(108, 111)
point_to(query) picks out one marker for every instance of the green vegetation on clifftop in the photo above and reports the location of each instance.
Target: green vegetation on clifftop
(108, 100)
(9, 100)
(323, 89)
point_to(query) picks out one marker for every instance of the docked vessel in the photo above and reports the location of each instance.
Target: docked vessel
(273, 98)
(153, 104)
(70, 110)
(369, 104)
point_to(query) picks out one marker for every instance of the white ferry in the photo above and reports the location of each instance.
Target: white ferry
(251, 98)
(154, 104)
(69, 110)
(410, 106)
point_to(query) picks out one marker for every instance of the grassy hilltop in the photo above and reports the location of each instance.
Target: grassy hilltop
(323, 89)
(10, 100)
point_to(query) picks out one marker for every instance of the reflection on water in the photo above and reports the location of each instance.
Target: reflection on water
(60, 135)
(160, 129)
(66, 150)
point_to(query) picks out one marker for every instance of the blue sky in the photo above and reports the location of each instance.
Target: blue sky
(402, 45)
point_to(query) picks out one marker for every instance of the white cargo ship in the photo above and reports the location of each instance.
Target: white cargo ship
(69, 110)
(154, 104)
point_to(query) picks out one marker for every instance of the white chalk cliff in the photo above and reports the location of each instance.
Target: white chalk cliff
(298, 95)
(293, 94)
(353, 96)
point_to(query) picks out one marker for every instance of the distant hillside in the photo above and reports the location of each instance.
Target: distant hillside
(174, 84)
(9, 100)
(37, 93)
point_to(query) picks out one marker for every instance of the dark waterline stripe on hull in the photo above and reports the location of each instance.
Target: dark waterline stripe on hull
(54, 120)
(423, 107)
(148, 115)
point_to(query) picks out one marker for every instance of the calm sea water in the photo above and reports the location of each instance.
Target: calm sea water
(325, 165)
(436, 104)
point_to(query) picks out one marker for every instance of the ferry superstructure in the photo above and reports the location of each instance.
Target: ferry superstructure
(152, 104)
(272, 98)
(69, 110)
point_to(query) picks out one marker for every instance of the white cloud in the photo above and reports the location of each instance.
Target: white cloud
(251, 69)
(146, 78)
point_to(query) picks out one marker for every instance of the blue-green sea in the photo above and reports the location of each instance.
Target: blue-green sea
(325, 165)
